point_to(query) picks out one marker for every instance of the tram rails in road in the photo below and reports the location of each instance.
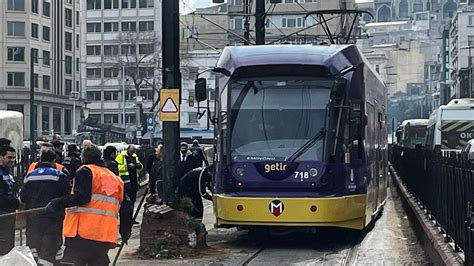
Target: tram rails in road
(300, 137)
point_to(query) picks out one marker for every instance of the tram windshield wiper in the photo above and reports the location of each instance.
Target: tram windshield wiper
(308, 144)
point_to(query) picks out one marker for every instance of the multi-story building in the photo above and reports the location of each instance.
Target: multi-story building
(121, 47)
(461, 44)
(47, 31)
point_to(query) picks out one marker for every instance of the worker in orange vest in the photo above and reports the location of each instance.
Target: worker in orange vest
(93, 210)
(46, 146)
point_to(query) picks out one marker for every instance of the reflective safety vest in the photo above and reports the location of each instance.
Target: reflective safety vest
(32, 167)
(98, 219)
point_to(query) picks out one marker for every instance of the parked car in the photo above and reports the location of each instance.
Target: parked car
(468, 150)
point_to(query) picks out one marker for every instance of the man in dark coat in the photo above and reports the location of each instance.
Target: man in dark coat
(44, 234)
(186, 160)
(199, 160)
(8, 199)
(110, 152)
(154, 167)
(194, 185)
(73, 160)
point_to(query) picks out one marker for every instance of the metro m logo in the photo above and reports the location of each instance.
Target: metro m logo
(276, 207)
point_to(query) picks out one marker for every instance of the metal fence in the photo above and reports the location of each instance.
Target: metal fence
(445, 186)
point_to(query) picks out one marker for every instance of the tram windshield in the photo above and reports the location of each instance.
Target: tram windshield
(271, 118)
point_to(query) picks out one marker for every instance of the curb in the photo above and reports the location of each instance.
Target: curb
(440, 252)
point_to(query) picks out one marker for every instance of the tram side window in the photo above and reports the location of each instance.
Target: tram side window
(371, 127)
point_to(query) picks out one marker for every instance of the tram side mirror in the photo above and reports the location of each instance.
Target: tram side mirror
(200, 88)
(339, 89)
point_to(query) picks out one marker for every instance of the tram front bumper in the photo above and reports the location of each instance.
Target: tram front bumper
(347, 211)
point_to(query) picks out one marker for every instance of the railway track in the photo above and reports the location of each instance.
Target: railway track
(346, 256)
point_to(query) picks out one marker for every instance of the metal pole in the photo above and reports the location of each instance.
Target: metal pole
(246, 23)
(171, 80)
(470, 73)
(260, 22)
(32, 107)
(74, 114)
(123, 97)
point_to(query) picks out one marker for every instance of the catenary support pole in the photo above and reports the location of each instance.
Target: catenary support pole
(32, 107)
(260, 22)
(171, 80)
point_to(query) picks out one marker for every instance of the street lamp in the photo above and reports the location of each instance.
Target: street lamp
(469, 64)
(74, 97)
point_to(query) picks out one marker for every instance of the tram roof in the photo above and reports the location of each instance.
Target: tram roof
(334, 57)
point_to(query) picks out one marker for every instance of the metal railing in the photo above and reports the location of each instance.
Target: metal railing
(444, 184)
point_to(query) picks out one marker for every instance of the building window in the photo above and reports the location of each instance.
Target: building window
(34, 54)
(46, 82)
(16, 79)
(94, 27)
(46, 9)
(237, 23)
(16, 5)
(147, 94)
(68, 85)
(129, 26)
(130, 118)
(46, 33)
(145, 26)
(68, 63)
(34, 6)
(93, 50)
(69, 2)
(292, 22)
(78, 43)
(128, 49)
(111, 119)
(68, 18)
(146, 48)
(15, 107)
(67, 121)
(129, 95)
(57, 119)
(68, 41)
(77, 18)
(146, 3)
(238, 2)
(78, 65)
(129, 3)
(110, 72)
(16, 28)
(94, 4)
(46, 58)
(34, 31)
(111, 49)
(77, 85)
(111, 26)
(94, 73)
(94, 96)
(192, 118)
(111, 4)
(35, 81)
(111, 95)
(45, 118)
(16, 54)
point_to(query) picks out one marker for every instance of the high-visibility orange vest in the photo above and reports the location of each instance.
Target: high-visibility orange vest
(32, 167)
(98, 219)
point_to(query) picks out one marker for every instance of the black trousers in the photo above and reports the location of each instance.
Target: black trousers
(7, 234)
(132, 194)
(44, 236)
(92, 256)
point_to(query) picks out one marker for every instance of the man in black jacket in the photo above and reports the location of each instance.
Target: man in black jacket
(73, 160)
(79, 250)
(194, 185)
(8, 199)
(110, 152)
(44, 234)
(198, 155)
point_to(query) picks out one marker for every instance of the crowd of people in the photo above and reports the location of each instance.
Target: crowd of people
(87, 197)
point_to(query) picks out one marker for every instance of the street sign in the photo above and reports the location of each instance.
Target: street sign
(139, 134)
(149, 123)
(169, 105)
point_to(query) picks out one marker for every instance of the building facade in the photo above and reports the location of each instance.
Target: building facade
(49, 32)
(122, 50)
(461, 45)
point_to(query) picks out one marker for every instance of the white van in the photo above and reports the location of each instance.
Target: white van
(451, 126)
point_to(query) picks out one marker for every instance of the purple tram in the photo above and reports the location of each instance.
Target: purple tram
(301, 138)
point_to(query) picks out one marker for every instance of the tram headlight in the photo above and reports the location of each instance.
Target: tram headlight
(240, 171)
(313, 172)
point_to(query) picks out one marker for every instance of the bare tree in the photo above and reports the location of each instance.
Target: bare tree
(139, 57)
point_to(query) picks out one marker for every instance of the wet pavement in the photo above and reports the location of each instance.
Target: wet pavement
(389, 241)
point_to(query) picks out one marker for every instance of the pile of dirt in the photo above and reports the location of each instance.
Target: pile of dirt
(166, 233)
